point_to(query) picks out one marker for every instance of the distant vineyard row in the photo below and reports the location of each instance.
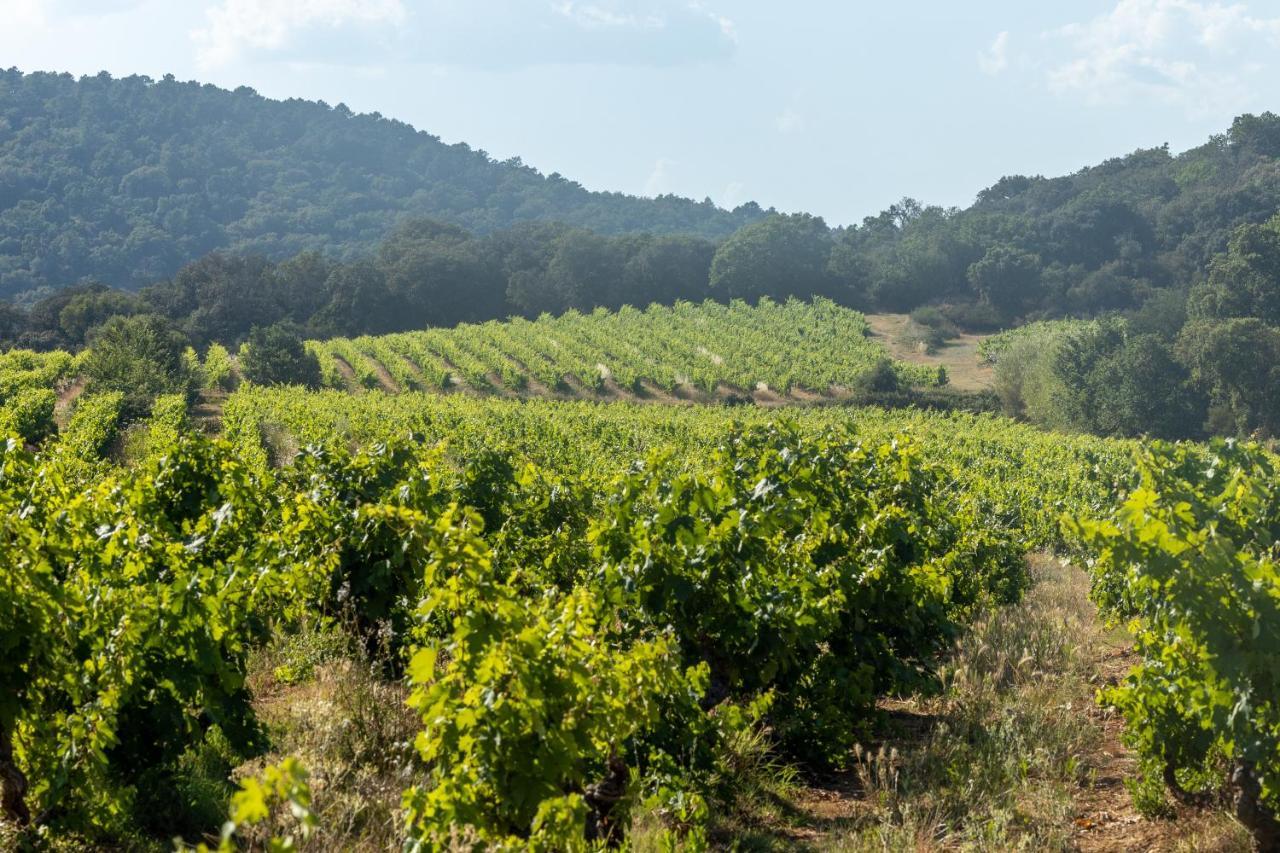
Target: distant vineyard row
(772, 348)
(1029, 478)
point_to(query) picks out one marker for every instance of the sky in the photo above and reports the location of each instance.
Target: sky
(834, 108)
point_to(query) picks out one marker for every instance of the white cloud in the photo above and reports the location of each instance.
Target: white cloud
(789, 122)
(727, 28)
(25, 15)
(490, 34)
(1184, 52)
(735, 193)
(237, 26)
(995, 59)
(593, 15)
(659, 182)
(25, 20)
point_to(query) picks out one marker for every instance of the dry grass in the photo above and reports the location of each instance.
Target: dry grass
(1006, 741)
(1012, 754)
(959, 355)
(351, 729)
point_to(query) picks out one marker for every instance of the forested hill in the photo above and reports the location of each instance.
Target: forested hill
(125, 180)
(1103, 238)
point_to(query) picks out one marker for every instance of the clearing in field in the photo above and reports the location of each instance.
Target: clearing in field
(959, 356)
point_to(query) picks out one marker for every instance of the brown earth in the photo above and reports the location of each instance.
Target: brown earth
(67, 397)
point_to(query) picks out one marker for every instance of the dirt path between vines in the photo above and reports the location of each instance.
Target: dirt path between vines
(1107, 819)
(67, 400)
(1015, 753)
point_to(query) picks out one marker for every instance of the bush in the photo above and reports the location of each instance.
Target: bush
(974, 317)
(276, 355)
(925, 338)
(192, 363)
(141, 357)
(881, 378)
(219, 374)
(931, 316)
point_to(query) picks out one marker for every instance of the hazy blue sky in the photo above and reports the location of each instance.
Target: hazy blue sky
(838, 108)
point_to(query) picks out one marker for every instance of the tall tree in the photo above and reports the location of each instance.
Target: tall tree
(664, 270)
(1007, 278)
(1141, 389)
(438, 275)
(1244, 281)
(779, 256)
(276, 355)
(1237, 363)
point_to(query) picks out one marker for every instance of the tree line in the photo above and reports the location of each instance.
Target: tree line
(1191, 362)
(1186, 362)
(126, 181)
(1179, 247)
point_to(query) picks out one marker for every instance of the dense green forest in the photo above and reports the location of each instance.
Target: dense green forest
(125, 180)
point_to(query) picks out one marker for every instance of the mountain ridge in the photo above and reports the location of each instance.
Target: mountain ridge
(125, 179)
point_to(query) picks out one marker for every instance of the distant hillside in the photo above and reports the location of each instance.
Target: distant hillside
(1104, 238)
(125, 180)
(128, 181)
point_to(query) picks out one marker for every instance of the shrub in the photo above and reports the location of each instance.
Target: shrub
(881, 378)
(141, 357)
(219, 373)
(932, 317)
(974, 316)
(276, 355)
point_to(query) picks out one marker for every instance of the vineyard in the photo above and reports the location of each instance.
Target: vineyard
(1190, 560)
(28, 391)
(783, 349)
(990, 456)
(596, 592)
(591, 613)
(365, 492)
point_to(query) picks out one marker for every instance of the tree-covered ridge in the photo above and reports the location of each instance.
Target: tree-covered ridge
(124, 180)
(1104, 238)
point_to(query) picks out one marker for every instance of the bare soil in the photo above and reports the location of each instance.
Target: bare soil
(207, 411)
(1106, 818)
(66, 401)
(384, 378)
(348, 375)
